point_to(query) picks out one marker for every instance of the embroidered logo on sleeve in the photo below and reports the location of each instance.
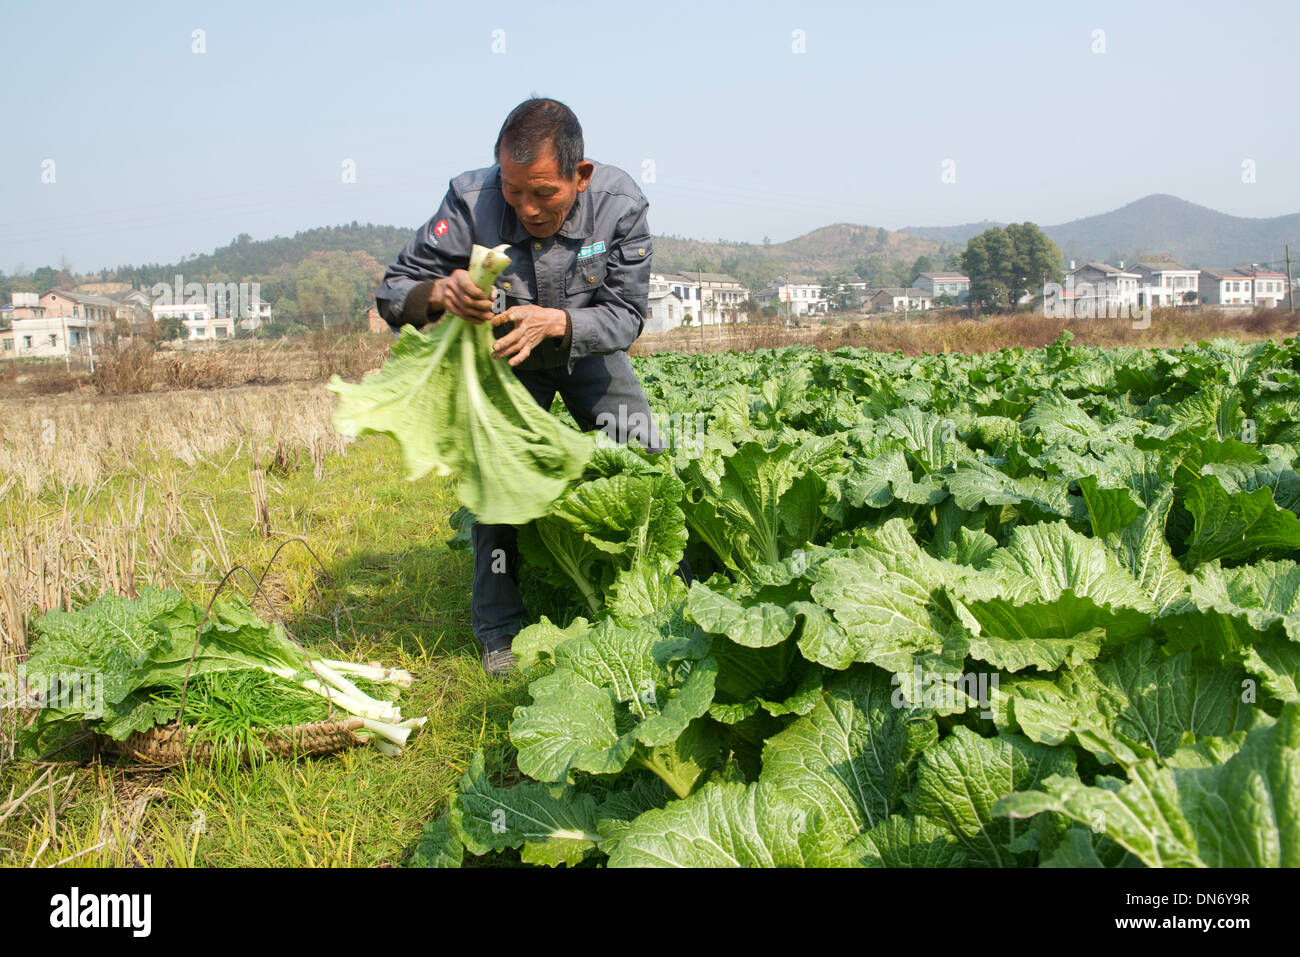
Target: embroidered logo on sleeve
(588, 251)
(441, 228)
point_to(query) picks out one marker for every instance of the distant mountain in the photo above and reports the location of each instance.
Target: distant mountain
(840, 248)
(245, 258)
(956, 235)
(1194, 235)
(1156, 224)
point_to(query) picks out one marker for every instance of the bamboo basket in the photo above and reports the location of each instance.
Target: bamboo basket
(166, 745)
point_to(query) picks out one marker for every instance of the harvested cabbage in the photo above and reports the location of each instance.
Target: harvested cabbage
(454, 410)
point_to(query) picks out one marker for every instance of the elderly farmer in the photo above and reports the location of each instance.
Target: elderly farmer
(569, 305)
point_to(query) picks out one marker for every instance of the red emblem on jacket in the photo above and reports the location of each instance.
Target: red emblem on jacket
(441, 228)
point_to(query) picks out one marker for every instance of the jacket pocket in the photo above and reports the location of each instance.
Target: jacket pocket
(587, 275)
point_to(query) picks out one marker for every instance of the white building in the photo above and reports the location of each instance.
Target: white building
(1099, 289)
(899, 299)
(1170, 282)
(802, 297)
(261, 312)
(1223, 287)
(938, 284)
(1270, 287)
(664, 311)
(55, 337)
(715, 296)
(198, 320)
(1243, 286)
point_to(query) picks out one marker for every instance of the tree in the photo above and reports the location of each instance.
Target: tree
(45, 278)
(922, 264)
(1006, 264)
(170, 327)
(838, 293)
(882, 236)
(873, 269)
(900, 272)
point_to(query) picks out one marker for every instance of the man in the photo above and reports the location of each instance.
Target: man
(571, 302)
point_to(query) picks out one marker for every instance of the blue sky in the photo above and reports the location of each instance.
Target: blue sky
(159, 151)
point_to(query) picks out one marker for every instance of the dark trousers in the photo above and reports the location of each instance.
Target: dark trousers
(601, 392)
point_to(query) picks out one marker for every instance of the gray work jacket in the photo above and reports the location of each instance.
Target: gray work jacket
(596, 267)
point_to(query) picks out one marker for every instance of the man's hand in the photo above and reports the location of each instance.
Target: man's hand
(458, 295)
(532, 325)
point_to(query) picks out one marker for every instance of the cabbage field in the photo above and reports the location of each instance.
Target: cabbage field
(1028, 608)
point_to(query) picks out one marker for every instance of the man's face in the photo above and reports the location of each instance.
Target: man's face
(538, 194)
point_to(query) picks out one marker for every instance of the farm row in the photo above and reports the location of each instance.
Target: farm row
(1019, 609)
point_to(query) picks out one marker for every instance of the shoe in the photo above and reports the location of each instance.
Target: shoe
(498, 659)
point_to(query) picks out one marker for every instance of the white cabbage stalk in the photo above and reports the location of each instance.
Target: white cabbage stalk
(362, 707)
(373, 672)
(385, 710)
(393, 733)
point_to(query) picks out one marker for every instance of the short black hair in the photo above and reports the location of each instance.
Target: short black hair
(534, 123)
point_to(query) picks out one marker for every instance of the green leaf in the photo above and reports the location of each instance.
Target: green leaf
(881, 598)
(1244, 812)
(960, 780)
(1134, 703)
(608, 697)
(730, 825)
(760, 625)
(900, 841)
(553, 825)
(851, 756)
(537, 642)
(1236, 526)
(439, 845)
(454, 410)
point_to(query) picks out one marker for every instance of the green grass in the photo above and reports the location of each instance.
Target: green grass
(383, 543)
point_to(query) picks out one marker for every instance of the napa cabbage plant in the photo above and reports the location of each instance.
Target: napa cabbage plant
(454, 410)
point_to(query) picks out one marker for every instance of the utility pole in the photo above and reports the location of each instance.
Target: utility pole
(700, 318)
(699, 302)
(1290, 289)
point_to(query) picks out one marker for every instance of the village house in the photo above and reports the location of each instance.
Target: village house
(198, 318)
(1170, 283)
(899, 299)
(802, 296)
(1242, 286)
(1270, 287)
(665, 311)
(1100, 289)
(58, 323)
(937, 284)
(713, 295)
